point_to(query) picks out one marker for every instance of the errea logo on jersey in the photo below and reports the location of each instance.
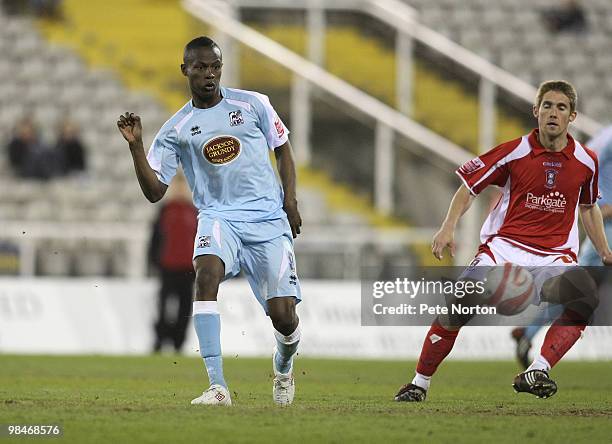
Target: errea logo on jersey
(553, 202)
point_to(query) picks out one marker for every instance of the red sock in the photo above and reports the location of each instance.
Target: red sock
(562, 335)
(437, 345)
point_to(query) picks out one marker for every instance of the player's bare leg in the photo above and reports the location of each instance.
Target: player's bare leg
(577, 291)
(209, 273)
(287, 333)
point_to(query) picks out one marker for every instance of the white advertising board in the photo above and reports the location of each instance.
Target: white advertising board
(109, 316)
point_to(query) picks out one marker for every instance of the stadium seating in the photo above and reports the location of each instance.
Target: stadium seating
(511, 34)
(349, 55)
(53, 82)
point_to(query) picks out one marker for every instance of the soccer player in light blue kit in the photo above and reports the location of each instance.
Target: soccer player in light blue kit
(246, 219)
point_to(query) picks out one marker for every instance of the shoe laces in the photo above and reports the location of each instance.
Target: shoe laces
(283, 383)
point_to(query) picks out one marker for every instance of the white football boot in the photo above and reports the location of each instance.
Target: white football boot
(215, 395)
(283, 388)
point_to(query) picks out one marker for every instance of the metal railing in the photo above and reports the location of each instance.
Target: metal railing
(132, 238)
(31, 236)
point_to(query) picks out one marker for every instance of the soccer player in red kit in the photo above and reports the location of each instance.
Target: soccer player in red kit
(547, 179)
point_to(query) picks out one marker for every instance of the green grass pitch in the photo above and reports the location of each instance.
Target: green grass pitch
(146, 399)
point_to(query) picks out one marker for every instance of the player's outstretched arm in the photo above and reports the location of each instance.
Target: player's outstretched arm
(131, 128)
(592, 220)
(446, 234)
(286, 171)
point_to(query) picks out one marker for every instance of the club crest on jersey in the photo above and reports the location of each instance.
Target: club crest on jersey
(551, 177)
(203, 241)
(471, 165)
(236, 118)
(221, 150)
(195, 130)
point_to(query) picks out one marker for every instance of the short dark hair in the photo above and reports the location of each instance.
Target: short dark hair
(561, 86)
(199, 42)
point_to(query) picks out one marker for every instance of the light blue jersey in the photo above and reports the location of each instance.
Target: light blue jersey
(224, 153)
(602, 144)
(605, 173)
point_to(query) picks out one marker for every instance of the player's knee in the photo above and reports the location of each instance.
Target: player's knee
(578, 292)
(584, 305)
(207, 283)
(285, 326)
(451, 324)
(283, 316)
(453, 321)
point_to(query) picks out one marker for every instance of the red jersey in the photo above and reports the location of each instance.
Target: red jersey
(541, 191)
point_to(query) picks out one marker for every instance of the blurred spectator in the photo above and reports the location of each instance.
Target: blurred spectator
(171, 251)
(13, 7)
(29, 156)
(41, 8)
(568, 17)
(18, 148)
(46, 8)
(70, 149)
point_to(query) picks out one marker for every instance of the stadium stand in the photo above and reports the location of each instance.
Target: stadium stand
(349, 52)
(51, 82)
(359, 58)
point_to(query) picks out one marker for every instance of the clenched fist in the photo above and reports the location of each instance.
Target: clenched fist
(130, 126)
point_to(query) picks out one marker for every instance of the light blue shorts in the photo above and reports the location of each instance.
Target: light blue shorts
(263, 250)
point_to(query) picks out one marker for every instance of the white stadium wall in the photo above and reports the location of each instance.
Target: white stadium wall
(110, 316)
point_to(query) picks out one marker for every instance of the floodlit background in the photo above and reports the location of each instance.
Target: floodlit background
(384, 99)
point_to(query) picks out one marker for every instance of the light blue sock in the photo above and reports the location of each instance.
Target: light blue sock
(286, 347)
(207, 323)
